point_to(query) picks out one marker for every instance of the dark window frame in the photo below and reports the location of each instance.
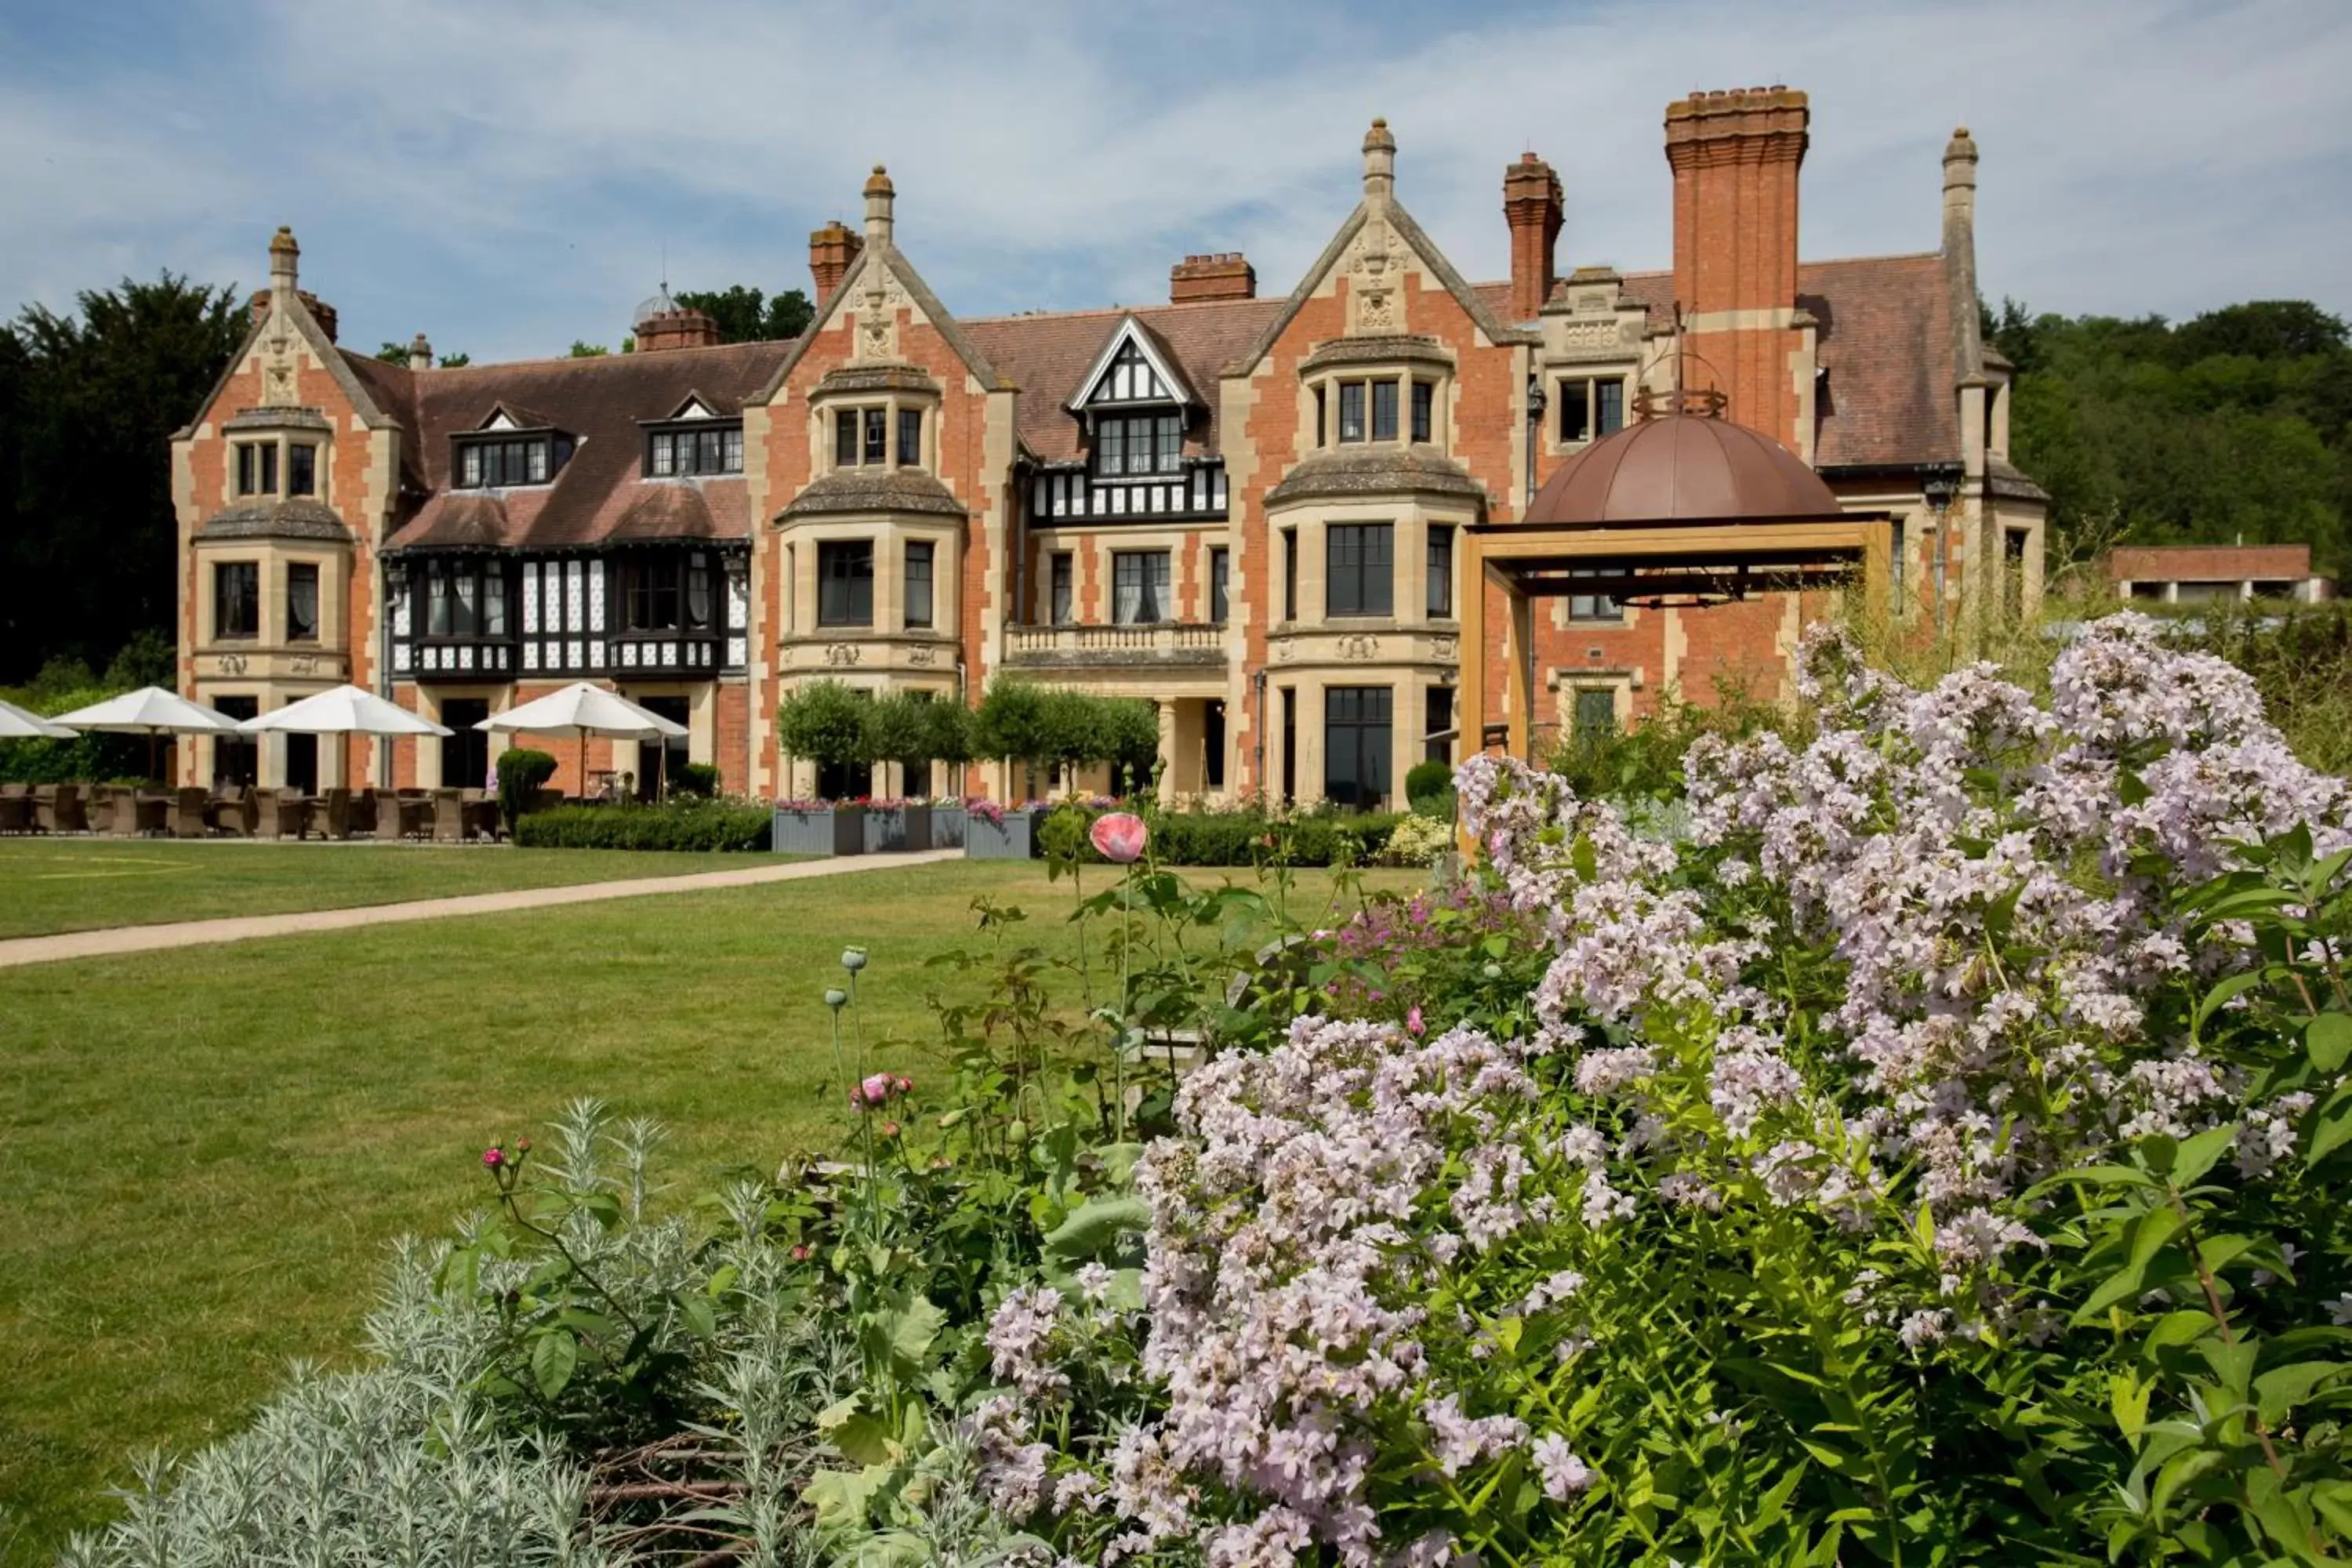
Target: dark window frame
(1437, 725)
(237, 601)
(1290, 574)
(299, 627)
(1221, 559)
(1593, 609)
(689, 448)
(1359, 732)
(256, 468)
(1438, 567)
(1137, 446)
(1153, 572)
(1384, 410)
(1062, 588)
(838, 563)
(1359, 569)
(1424, 406)
(1351, 413)
(1598, 404)
(508, 460)
(910, 439)
(445, 582)
(301, 469)
(844, 437)
(926, 551)
(874, 451)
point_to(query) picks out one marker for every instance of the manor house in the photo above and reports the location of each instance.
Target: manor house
(1253, 510)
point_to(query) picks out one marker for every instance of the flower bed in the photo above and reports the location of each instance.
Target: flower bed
(1932, 1152)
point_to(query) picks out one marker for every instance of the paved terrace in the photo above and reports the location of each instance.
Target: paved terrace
(118, 939)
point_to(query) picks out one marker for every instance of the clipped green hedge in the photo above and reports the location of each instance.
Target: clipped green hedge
(675, 825)
(1249, 839)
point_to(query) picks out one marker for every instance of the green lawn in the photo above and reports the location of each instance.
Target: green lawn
(79, 884)
(205, 1151)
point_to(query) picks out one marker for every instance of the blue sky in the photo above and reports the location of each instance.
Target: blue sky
(508, 177)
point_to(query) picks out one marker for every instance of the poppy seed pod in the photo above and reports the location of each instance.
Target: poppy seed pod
(853, 959)
(836, 997)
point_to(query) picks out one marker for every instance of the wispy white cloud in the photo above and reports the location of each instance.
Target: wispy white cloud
(509, 176)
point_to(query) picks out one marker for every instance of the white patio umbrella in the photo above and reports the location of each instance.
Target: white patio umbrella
(343, 711)
(23, 724)
(590, 710)
(150, 712)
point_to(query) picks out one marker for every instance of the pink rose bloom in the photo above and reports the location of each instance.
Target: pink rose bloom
(1412, 1024)
(1120, 835)
(875, 1091)
(493, 1158)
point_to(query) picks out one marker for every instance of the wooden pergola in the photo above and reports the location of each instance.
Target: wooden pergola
(1683, 508)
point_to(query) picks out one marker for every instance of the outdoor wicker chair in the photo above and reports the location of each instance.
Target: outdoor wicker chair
(15, 813)
(284, 814)
(186, 812)
(448, 817)
(335, 812)
(233, 814)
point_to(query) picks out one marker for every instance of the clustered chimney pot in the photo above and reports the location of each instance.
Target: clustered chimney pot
(420, 353)
(1218, 275)
(831, 250)
(1532, 207)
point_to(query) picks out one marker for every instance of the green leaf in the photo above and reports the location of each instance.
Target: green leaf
(552, 1358)
(2181, 1328)
(841, 1497)
(862, 1438)
(699, 1315)
(1095, 1226)
(913, 1326)
(2220, 993)
(2128, 1402)
(2328, 1039)
(2283, 1388)
(2196, 1154)
(2331, 1124)
(2180, 1472)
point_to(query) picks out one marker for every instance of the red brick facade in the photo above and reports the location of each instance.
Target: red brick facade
(1384, 392)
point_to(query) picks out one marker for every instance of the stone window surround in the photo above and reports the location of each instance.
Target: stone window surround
(1325, 380)
(284, 440)
(273, 560)
(1409, 542)
(1188, 570)
(1558, 375)
(889, 536)
(824, 409)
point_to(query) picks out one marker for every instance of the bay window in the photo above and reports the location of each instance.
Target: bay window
(844, 572)
(237, 598)
(1359, 570)
(302, 602)
(920, 554)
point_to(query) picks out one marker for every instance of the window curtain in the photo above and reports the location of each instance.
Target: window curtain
(301, 605)
(1127, 582)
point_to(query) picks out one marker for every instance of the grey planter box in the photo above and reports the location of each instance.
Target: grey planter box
(947, 827)
(898, 827)
(1015, 839)
(833, 830)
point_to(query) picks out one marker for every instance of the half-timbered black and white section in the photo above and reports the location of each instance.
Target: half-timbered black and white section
(670, 610)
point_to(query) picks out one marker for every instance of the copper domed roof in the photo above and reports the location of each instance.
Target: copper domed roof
(1683, 467)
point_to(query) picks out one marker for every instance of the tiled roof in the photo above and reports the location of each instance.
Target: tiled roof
(1048, 355)
(1884, 336)
(599, 494)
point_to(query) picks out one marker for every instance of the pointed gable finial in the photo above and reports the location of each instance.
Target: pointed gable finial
(284, 259)
(880, 196)
(1379, 162)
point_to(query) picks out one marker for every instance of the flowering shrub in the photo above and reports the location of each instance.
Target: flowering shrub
(1417, 841)
(1931, 1159)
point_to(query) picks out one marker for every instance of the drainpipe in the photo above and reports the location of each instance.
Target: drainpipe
(1258, 722)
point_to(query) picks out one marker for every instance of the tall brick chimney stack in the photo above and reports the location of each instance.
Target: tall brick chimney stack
(881, 197)
(1734, 157)
(675, 329)
(1531, 206)
(420, 353)
(1220, 275)
(831, 250)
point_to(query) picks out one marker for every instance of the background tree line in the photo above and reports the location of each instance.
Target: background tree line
(2231, 426)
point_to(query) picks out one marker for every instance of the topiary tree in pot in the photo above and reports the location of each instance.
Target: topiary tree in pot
(948, 728)
(1012, 723)
(825, 722)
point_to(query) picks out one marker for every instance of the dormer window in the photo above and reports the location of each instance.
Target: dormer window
(703, 448)
(695, 439)
(1136, 444)
(508, 451)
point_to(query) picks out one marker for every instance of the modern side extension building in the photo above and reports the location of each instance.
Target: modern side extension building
(1249, 511)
